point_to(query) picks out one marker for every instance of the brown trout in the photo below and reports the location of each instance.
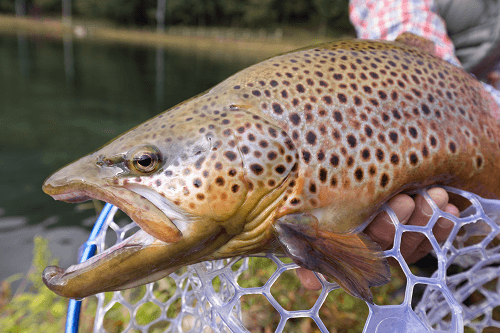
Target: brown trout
(294, 154)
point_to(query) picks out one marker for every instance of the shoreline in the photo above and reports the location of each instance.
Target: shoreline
(257, 48)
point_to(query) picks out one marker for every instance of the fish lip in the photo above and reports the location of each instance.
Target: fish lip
(77, 191)
(57, 279)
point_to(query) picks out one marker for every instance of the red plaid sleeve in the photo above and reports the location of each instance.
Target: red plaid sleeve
(386, 19)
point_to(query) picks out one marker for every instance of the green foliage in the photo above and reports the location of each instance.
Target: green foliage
(235, 13)
(35, 309)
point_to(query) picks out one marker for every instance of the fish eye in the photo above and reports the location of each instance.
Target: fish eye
(144, 160)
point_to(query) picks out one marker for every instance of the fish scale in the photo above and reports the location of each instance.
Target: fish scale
(295, 155)
(368, 121)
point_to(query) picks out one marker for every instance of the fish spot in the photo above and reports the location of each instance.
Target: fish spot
(368, 131)
(393, 136)
(382, 94)
(433, 141)
(263, 144)
(334, 160)
(336, 134)
(232, 172)
(351, 140)
(230, 155)
(425, 151)
(295, 201)
(425, 109)
(306, 156)
(394, 158)
(300, 88)
(294, 118)
(453, 147)
(342, 98)
(251, 137)
(365, 154)
(257, 168)
(357, 101)
(327, 100)
(337, 76)
(479, 161)
(394, 95)
(372, 170)
(396, 114)
(197, 182)
(384, 180)
(323, 175)
(311, 138)
(277, 108)
(280, 169)
(358, 174)
(337, 116)
(333, 181)
(321, 156)
(219, 181)
(273, 83)
(256, 93)
(413, 158)
(350, 161)
(200, 196)
(413, 132)
(312, 187)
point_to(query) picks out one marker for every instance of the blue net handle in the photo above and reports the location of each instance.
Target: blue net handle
(89, 249)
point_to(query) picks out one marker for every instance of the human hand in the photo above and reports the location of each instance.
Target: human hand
(409, 211)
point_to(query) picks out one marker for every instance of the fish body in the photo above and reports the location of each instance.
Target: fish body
(293, 154)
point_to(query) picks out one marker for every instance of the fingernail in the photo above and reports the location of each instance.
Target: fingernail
(427, 209)
(445, 223)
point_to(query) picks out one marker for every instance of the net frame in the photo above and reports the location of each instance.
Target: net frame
(444, 307)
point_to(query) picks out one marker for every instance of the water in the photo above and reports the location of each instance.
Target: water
(60, 101)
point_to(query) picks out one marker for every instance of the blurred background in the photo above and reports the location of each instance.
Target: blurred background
(75, 74)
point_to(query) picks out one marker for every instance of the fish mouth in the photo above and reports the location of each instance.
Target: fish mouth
(140, 209)
(127, 264)
(72, 197)
(155, 251)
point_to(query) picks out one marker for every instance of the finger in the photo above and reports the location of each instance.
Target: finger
(381, 230)
(415, 245)
(308, 279)
(441, 230)
(444, 226)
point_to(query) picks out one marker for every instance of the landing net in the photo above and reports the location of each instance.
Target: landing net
(462, 294)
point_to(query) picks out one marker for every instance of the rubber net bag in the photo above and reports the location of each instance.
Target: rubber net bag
(461, 295)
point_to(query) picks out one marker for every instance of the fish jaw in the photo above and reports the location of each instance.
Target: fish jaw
(85, 179)
(138, 260)
(152, 253)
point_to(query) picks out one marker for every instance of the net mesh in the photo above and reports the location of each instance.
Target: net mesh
(463, 293)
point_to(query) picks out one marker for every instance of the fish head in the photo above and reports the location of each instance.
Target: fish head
(186, 178)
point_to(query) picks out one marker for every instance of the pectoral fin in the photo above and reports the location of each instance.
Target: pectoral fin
(352, 260)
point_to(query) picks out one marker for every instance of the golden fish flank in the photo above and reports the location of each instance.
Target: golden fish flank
(293, 154)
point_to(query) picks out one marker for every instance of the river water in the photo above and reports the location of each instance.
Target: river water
(60, 101)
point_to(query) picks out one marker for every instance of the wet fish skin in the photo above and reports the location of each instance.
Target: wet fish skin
(298, 150)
